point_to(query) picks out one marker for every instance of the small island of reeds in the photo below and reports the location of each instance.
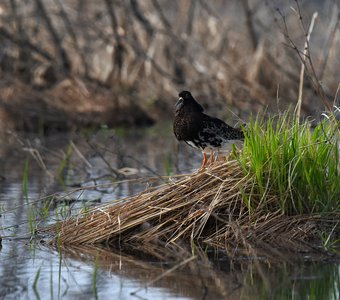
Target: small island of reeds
(281, 189)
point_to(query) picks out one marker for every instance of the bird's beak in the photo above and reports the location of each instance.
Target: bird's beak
(179, 104)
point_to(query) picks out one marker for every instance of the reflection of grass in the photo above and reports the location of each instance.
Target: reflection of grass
(51, 281)
(36, 279)
(284, 281)
(59, 272)
(95, 273)
(285, 278)
(32, 218)
(318, 283)
(25, 180)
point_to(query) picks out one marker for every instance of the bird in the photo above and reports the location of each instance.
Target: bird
(200, 130)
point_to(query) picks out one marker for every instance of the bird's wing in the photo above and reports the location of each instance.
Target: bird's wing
(216, 126)
(219, 129)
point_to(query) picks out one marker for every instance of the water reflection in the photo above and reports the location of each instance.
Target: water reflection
(76, 272)
(30, 269)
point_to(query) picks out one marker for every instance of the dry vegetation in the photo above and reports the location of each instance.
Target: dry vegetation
(80, 62)
(205, 207)
(281, 189)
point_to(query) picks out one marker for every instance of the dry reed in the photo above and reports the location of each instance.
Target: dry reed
(206, 207)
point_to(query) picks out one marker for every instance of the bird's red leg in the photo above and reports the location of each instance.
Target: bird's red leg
(212, 156)
(204, 162)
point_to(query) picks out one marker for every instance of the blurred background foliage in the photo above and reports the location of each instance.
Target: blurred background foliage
(66, 63)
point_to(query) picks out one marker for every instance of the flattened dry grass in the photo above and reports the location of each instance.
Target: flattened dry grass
(171, 211)
(204, 207)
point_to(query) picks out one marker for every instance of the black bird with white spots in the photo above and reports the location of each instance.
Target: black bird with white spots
(199, 130)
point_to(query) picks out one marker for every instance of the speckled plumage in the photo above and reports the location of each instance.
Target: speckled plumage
(199, 130)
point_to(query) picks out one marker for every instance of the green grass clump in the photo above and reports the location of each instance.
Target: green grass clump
(293, 163)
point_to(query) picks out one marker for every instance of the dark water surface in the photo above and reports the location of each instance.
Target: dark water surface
(29, 269)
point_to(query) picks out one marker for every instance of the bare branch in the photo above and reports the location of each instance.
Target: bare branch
(250, 23)
(55, 38)
(73, 35)
(140, 17)
(302, 56)
(118, 46)
(191, 15)
(162, 17)
(25, 44)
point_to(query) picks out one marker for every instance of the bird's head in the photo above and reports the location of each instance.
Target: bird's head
(187, 102)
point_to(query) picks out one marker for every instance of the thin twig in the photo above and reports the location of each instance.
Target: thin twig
(303, 63)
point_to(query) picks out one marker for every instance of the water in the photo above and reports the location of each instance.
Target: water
(30, 269)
